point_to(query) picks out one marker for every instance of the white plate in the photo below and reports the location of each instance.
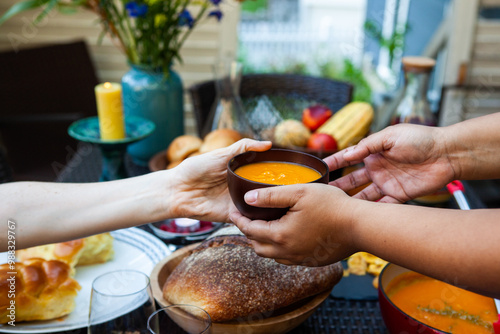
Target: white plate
(134, 249)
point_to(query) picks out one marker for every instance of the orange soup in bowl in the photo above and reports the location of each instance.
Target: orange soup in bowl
(278, 173)
(441, 305)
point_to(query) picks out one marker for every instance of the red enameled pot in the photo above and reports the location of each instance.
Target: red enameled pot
(395, 319)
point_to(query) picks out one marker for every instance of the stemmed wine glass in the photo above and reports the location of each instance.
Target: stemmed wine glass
(180, 319)
(121, 302)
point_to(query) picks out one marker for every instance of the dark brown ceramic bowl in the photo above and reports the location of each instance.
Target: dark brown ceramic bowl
(239, 186)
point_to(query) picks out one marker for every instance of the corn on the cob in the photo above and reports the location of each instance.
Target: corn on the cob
(350, 124)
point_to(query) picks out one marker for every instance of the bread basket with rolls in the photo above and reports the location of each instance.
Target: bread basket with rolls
(239, 289)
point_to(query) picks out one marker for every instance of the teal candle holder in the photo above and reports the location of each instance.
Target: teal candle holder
(113, 151)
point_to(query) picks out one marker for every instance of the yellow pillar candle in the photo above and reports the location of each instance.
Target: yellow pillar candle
(110, 111)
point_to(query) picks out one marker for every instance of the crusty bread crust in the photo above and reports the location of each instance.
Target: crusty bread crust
(226, 278)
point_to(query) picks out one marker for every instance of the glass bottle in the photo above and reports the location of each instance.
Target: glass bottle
(414, 106)
(227, 111)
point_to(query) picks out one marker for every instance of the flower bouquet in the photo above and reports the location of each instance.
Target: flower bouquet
(149, 32)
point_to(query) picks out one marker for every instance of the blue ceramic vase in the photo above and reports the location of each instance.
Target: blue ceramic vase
(159, 98)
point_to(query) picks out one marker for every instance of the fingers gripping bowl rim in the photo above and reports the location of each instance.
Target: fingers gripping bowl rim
(238, 185)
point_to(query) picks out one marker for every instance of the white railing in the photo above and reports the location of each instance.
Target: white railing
(274, 43)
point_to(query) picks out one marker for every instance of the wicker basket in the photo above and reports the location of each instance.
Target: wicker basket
(289, 93)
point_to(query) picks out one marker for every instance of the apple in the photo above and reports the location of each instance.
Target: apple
(314, 116)
(322, 142)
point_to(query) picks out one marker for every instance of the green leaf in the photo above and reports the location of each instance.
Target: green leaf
(373, 31)
(101, 37)
(177, 56)
(67, 9)
(70, 7)
(46, 10)
(21, 7)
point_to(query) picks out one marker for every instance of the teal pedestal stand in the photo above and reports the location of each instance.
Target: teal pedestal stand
(113, 151)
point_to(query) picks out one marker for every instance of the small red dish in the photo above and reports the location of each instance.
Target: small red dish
(166, 231)
(171, 226)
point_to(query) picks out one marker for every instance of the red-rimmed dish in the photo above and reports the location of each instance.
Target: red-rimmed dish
(395, 319)
(435, 298)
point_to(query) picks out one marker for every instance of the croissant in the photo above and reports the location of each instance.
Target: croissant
(36, 289)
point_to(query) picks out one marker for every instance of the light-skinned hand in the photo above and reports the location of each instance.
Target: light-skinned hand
(201, 189)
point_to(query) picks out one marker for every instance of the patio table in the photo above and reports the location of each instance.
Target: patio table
(335, 315)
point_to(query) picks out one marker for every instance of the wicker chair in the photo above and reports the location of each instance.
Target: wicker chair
(5, 170)
(43, 89)
(334, 94)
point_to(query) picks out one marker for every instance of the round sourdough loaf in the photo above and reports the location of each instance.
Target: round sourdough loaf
(226, 278)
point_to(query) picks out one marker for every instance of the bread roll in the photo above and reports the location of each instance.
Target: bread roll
(43, 290)
(183, 146)
(174, 164)
(68, 252)
(194, 154)
(91, 250)
(226, 278)
(97, 249)
(218, 139)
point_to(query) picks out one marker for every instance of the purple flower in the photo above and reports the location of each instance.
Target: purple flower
(185, 19)
(135, 10)
(216, 13)
(216, 2)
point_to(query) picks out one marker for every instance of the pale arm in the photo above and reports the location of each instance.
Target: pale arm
(53, 212)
